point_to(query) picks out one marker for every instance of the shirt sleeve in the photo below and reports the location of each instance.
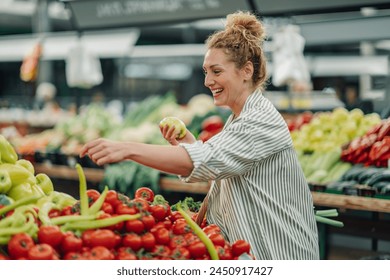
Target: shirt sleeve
(237, 148)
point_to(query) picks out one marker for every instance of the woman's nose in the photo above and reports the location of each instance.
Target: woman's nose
(208, 81)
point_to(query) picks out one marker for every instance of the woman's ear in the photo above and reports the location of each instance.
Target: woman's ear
(248, 70)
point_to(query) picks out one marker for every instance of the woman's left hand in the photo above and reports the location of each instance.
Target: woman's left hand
(102, 151)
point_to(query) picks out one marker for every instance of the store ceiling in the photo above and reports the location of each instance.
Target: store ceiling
(328, 26)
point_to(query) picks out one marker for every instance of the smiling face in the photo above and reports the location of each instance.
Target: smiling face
(230, 86)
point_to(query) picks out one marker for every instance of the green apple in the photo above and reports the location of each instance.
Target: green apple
(180, 127)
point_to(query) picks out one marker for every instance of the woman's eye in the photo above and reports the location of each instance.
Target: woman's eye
(217, 72)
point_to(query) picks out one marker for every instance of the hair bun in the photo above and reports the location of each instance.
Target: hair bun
(244, 22)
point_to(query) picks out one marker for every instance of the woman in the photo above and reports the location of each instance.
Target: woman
(259, 192)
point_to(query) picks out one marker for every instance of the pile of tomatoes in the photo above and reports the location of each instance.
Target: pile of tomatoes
(159, 234)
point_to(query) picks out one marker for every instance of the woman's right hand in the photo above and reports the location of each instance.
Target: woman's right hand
(169, 134)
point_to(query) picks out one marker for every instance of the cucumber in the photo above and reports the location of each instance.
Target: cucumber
(383, 176)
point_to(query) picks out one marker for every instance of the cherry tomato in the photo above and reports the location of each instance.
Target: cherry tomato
(191, 237)
(144, 193)
(217, 239)
(211, 229)
(112, 198)
(132, 240)
(136, 226)
(158, 211)
(240, 247)
(148, 221)
(19, 245)
(139, 204)
(175, 215)
(162, 236)
(161, 251)
(93, 195)
(180, 226)
(125, 209)
(107, 208)
(74, 256)
(54, 213)
(125, 253)
(197, 249)
(224, 253)
(71, 243)
(103, 237)
(101, 253)
(177, 241)
(148, 241)
(180, 253)
(86, 237)
(50, 234)
(41, 252)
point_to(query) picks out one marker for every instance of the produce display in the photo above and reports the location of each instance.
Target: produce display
(344, 152)
(371, 149)
(106, 225)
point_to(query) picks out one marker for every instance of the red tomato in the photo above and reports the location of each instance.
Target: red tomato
(139, 204)
(125, 209)
(50, 234)
(197, 249)
(107, 208)
(132, 240)
(177, 241)
(74, 256)
(180, 226)
(69, 210)
(240, 247)
(180, 253)
(148, 241)
(54, 213)
(71, 243)
(136, 226)
(103, 237)
(161, 251)
(19, 245)
(217, 239)
(175, 215)
(101, 253)
(148, 221)
(86, 237)
(191, 237)
(224, 253)
(144, 193)
(112, 198)
(93, 195)
(212, 228)
(125, 253)
(158, 211)
(41, 252)
(162, 235)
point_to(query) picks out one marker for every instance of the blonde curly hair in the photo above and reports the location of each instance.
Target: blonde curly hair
(242, 41)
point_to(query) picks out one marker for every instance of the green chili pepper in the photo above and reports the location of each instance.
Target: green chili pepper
(97, 205)
(74, 218)
(84, 225)
(23, 201)
(24, 228)
(199, 232)
(82, 190)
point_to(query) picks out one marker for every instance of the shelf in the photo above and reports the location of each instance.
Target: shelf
(174, 185)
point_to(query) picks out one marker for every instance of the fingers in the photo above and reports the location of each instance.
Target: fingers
(169, 134)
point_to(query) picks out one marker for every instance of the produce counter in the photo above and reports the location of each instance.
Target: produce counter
(94, 175)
